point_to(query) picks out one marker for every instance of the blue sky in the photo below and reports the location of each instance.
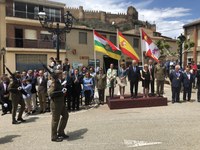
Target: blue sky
(169, 15)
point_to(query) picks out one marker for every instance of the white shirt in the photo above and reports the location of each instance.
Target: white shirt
(5, 86)
(188, 75)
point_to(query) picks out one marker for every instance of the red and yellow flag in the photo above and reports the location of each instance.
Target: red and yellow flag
(126, 48)
(151, 49)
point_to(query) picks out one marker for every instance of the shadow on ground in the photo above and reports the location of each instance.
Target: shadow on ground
(78, 134)
(31, 119)
(8, 138)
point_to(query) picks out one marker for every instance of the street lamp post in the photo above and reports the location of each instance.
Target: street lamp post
(181, 39)
(3, 52)
(48, 25)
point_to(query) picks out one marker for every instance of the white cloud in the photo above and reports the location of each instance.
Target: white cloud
(168, 20)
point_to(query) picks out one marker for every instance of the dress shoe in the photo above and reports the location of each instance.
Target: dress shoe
(15, 122)
(21, 120)
(33, 111)
(42, 112)
(4, 113)
(64, 136)
(57, 140)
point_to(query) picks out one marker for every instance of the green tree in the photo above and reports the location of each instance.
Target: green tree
(164, 48)
(187, 45)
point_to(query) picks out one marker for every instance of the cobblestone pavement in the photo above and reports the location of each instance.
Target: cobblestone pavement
(171, 127)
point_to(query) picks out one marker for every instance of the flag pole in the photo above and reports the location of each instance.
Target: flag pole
(118, 45)
(95, 56)
(142, 47)
(117, 40)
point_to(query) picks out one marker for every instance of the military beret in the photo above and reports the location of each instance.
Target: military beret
(58, 72)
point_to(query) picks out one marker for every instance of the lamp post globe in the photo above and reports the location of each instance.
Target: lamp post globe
(48, 24)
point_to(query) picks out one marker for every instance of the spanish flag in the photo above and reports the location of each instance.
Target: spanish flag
(103, 45)
(126, 48)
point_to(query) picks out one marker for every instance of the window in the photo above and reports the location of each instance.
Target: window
(27, 10)
(45, 36)
(20, 10)
(113, 39)
(30, 34)
(82, 37)
(30, 11)
(53, 14)
(57, 15)
(30, 61)
(135, 43)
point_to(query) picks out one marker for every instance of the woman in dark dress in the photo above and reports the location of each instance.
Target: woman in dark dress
(145, 75)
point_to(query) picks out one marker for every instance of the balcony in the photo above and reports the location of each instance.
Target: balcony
(26, 43)
(31, 15)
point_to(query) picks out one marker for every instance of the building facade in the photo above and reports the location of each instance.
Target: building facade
(27, 43)
(192, 33)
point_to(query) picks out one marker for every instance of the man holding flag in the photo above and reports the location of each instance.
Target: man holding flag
(159, 71)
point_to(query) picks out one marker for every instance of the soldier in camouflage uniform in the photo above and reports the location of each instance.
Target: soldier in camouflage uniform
(15, 90)
(58, 108)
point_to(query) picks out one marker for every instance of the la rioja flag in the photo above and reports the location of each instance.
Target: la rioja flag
(151, 49)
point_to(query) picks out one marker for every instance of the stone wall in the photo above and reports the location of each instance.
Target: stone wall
(82, 14)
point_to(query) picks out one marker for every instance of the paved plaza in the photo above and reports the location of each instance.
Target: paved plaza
(172, 127)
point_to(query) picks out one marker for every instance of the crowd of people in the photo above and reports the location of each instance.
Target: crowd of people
(35, 91)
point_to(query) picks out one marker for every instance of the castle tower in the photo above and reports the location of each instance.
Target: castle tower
(132, 13)
(103, 16)
(81, 15)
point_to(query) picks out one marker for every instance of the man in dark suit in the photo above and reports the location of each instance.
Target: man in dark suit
(134, 77)
(42, 91)
(4, 96)
(176, 78)
(68, 86)
(198, 85)
(76, 89)
(151, 70)
(188, 79)
(33, 89)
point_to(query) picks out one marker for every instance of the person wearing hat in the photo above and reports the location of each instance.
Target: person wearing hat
(160, 74)
(15, 90)
(100, 82)
(56, 92)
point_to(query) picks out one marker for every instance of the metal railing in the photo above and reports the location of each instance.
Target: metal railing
(29, 43)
